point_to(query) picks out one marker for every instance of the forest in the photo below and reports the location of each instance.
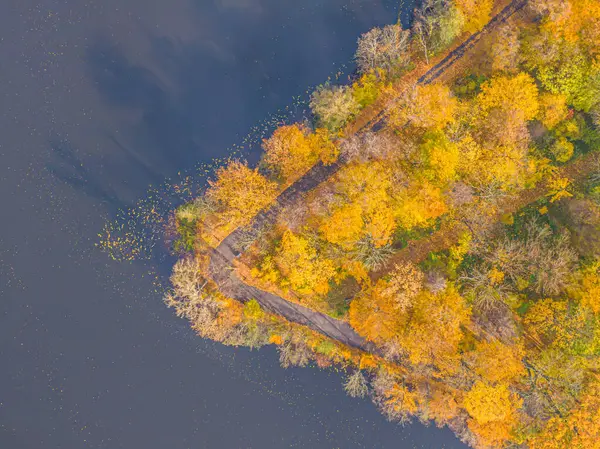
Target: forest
(450, 222)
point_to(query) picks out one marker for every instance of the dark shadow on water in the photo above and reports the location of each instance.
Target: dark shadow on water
(163, 131)
(120, 82)
(68, 167)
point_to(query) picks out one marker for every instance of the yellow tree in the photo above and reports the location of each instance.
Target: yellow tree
(476, 13)
(545, 319)
(401, 401)
(378, 312)
(241, 192)
(589, 291)
(439, 157)
(440, 317)
(289, 152)
(375, 315)
(579, 430)
(497, 150)
(493, 411)
(370, 86)
(563, 325)
(443, 404)
(429, 106)
(553, 109)
(323, 147)
(380, 222)
(292, 150)
(517, 94)
(344, 226)
(498, 362)
(569, 19)
(365, 183)
(364, 187)
(301, 267)
(418, 204)
(403, 284)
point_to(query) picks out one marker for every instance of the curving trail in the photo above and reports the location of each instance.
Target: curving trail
(221, 269)
(221, 272)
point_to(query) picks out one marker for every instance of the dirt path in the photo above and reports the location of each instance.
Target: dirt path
(221, 265)
(229, 283)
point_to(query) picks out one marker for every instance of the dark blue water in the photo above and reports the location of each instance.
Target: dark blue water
(99, 100)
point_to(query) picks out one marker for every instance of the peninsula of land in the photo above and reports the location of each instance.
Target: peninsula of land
(433, 228)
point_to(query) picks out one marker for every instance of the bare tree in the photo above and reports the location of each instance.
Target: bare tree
(491, 193)
(554, 266)
(422, 31)
(356, 385)
(538, 257)
(191, 300)
(497, 321)
(382, 384)
(294, 352)
(372, 146)
(294, 215)
(461, 193)
(435, 281)
(370, 255)
(554, 9)
(486, 295)
(505, 51)
(196, 209)
(383, 48)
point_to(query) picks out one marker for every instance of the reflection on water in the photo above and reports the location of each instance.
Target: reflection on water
(100, 100)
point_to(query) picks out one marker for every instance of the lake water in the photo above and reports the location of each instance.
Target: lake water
(100, 100)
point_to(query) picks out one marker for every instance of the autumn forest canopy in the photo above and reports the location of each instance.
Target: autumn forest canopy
(450, 223)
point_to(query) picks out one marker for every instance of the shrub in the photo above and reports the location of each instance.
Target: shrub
(333, 106)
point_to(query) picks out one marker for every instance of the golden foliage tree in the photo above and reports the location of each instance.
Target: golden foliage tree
(571, 20)
(579, 430)
(476, 13)
(443, 404)
(589, 290)
(380, 223)
(518, 94)
(289, 152)
(553, 109)
(292, 150)
(440, 158)
(498, 362)
(366, 183)
(378, 312)
(440, 316)
(344, 226)
(418, 204)
(404, 283)
(493, 410)
(241, 192)
(428, 106)
(301, 267)
(374, 314)
(323, 147)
